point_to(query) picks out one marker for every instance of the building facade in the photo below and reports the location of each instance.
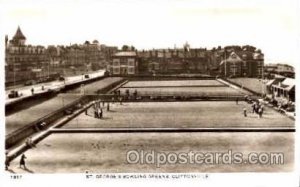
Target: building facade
(23, 62)
(242, 64)
(124, 63)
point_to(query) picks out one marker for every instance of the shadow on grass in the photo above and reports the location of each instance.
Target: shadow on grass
(28, 170)
(10, 170)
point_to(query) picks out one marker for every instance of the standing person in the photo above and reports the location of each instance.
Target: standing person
(237, 101)
(253, 107)
(120, 99)
(32, 91)
(107, 106)
(95, 113)
(259, 112)
(6, 161)
(22, 161)
(94, 105)
(262, 109)
(245, 111)
(100, 113)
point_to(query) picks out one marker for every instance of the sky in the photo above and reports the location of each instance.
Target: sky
(270, 25)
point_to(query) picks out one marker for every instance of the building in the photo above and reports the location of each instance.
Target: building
(284, 91)
(279, 69)
(24, 62)
(242, 63)
(172, 61)
(124, 63)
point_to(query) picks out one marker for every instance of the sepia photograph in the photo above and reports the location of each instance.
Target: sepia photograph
(109, 88)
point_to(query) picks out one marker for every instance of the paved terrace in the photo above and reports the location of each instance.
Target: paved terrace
(54, 85)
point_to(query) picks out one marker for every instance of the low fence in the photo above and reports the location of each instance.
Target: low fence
(165, 98)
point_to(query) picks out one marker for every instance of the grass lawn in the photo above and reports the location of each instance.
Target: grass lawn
(77, 153)
(92, 88)
(31, 113)
(180, 114)
(172, 83)
(253, 84)
(186, 91)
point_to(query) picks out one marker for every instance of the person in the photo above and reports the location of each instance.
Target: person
(253, 107)
(107, 106)
(237, 101)
(100, 113)
(262, 108)
(95, 113)
(135, 94)
(259, 112)
(43, 87)
(94, 105)
(30, 143)
(245, 112)
(32, 91)
(120, 99)
(22, 161)
(86, 111)
(6, 161)
(42, 125)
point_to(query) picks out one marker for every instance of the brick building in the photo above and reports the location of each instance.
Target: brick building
(242, 63)
(124, 63)
(23, 62)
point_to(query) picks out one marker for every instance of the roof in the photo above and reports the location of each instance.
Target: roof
(19, 35)
(233, 57)
(275, 81)
(125, 53)
(287, 84)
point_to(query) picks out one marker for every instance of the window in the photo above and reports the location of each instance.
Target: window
(116, 62)
(131, 61)
(130, 70)
(116, 71)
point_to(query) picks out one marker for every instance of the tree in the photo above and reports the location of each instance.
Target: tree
(125, 48)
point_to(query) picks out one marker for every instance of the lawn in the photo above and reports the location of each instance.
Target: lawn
(186, 91)
(253, 84)
(181, 114)
(92, 88)
(97, 153)
(173, 83)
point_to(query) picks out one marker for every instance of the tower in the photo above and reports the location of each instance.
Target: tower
(19, 38)
(6, 40)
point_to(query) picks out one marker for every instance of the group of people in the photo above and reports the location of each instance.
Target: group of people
(257, 108)
(98, 109)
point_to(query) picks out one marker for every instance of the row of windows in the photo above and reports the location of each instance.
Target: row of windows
(117, 63)
(129, 70)
(16, 50)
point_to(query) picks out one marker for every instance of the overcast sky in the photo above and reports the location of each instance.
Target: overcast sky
(270, 25)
